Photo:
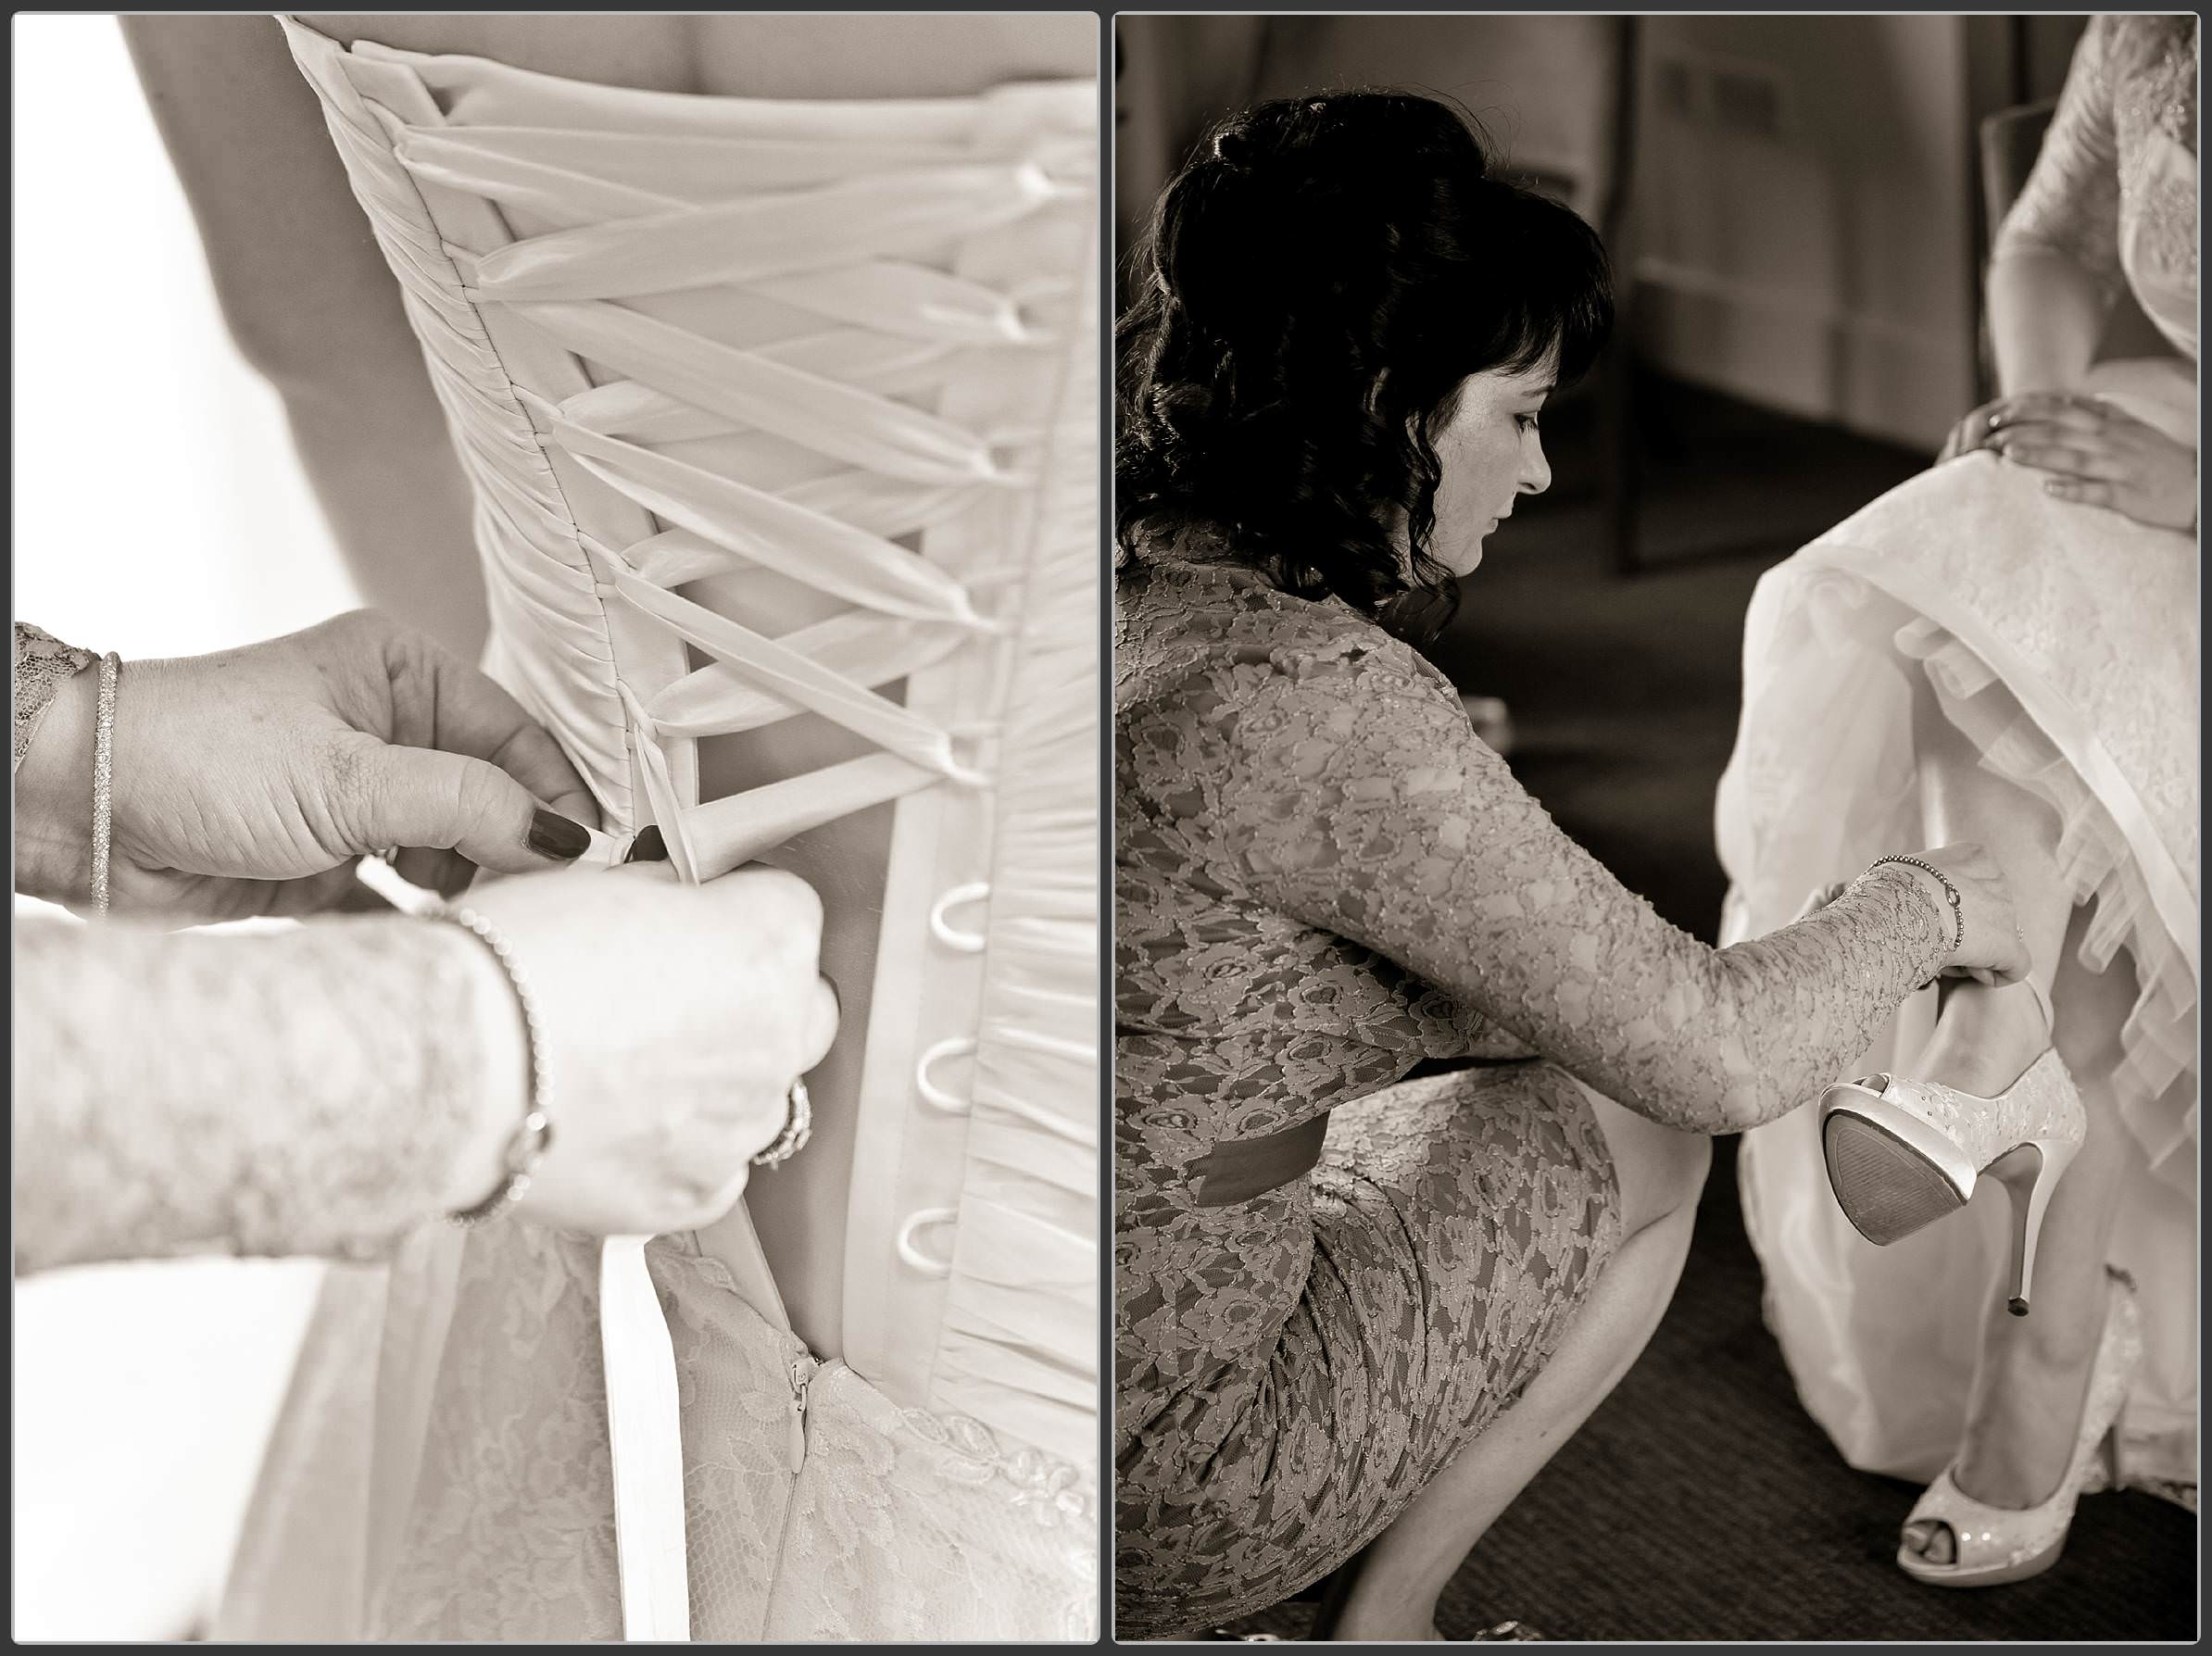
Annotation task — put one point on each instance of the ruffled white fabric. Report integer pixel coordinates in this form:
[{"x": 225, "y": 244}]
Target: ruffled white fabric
[
  {"x": 708, "y": 360},
  {"x": 2062, "y": 641}
]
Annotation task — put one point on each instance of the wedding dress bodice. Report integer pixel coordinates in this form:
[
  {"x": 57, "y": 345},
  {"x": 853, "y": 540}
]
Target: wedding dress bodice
[
  {"x": 2115, "y": 184},
  {"x": 770, "y": 405}
]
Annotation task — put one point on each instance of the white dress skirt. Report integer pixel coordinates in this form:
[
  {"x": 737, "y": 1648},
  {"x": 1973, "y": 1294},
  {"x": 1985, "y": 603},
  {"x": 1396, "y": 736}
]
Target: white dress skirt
[
  {"x": 2062, "y": 640},
  {"x": 768, "y": 406}
]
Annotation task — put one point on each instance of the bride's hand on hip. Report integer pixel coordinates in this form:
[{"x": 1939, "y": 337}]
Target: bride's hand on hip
[
  {"x": 675, "y": 1019},
  {"x": 250, "y": 782},
  {"x": 1973, "y": 432},
  {"x": 1981, "y": 425},
  {"x": 2097, "y": 454}
]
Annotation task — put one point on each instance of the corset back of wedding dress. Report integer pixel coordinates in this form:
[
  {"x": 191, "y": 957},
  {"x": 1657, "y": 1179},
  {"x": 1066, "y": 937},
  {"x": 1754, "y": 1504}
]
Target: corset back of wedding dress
[{"x": 767, "y": 405}]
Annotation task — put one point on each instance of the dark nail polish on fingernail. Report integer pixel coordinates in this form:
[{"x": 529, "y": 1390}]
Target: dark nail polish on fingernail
[
  {"x": 552, "y": 834},
  {"x": 649, "y": 846}
]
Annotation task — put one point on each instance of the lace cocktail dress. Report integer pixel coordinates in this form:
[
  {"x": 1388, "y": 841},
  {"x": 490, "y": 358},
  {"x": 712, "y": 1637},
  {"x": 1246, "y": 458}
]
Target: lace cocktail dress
[
  {"x": 775, "y": 412},
  {"x": 2061, "y": 641},
  {"x": 1328, "y": 1279}
]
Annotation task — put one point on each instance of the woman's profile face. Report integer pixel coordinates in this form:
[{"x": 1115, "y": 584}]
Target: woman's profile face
[{"x": 1492, "y": 454}]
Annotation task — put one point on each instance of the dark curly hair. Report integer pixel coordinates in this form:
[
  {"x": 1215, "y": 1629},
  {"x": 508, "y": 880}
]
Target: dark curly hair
[{"x": 1309, "y": 293}]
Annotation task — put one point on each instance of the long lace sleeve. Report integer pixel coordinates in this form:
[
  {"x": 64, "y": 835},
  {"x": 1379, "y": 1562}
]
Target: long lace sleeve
[
  {"x": 1348, "y": 791},
  {"x": 311, "y": 1092},
  {"x": 2070, "y": 205},
  {"x": 43, "y": 664}
]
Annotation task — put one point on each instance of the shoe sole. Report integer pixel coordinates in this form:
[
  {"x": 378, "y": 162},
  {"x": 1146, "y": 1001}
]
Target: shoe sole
[{"x": 1887, "y": 1188}]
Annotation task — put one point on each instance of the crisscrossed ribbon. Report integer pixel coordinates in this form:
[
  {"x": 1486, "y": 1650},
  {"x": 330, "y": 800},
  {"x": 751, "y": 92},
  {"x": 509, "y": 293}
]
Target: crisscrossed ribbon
[{"x": 854, "y": 234}]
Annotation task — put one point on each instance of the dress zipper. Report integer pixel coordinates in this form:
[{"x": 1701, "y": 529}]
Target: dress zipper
[
  {"x": 802, "y": 1376},
  {"x": 803, "y": 1365}
]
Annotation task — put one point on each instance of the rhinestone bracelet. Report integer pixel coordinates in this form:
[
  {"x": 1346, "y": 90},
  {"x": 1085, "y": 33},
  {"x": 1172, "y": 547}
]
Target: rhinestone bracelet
[
  {"x": 103, "y": 823},
  {"x": 798, "y": 1127},
  {"x": 1958, "y": 914},
  {"x": 535, "y": 1133}
]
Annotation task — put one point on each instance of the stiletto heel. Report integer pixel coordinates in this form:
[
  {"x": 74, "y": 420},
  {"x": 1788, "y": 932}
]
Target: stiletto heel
[
  {"x": 2029, "y": 1173},
  {"x": 1902, "y": 1153}
]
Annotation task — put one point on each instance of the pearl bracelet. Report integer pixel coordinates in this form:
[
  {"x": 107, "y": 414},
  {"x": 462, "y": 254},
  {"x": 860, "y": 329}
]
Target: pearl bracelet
[
  {"x": 1958, "y": 914},
  {"x": 532, "y": 1137}
]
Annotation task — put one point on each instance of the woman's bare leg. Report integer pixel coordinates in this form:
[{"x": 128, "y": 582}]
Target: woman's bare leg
[
  {"x": 1404, "y": 1571},
  {"x": 2033, "y": 1371},
  {"x": 1986, "y": 1037}
]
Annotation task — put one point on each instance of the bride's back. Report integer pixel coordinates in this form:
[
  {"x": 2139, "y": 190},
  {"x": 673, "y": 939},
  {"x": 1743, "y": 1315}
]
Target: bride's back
[
  {"x": 802, "y": 1211},
  {"x": 778, "y": 417}
]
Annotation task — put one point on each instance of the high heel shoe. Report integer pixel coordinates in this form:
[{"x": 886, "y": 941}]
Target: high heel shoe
[
  {"x": 1902, "y": 1153},
  {"x": 1994, "y": 1545}
]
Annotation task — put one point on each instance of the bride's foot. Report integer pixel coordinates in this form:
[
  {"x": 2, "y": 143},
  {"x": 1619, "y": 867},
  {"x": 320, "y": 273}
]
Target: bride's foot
[
  {"x": 2019, "y": 1439},
  {"x": 1953, "y": 1537},
  {"x": 1985, "y": 1038}
]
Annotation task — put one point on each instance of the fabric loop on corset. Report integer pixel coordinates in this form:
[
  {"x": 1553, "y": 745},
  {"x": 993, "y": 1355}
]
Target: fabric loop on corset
[
  {"x": 912, "y": 1253},
  {"x": 968, "y": 943},
  {"x": 925, "y": 1083}
]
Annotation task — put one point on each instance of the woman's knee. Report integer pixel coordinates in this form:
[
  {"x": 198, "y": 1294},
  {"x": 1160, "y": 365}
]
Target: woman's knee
[
  {"x": 1679, "y": 1175},
  {"x": 1659, "y": 1170}
]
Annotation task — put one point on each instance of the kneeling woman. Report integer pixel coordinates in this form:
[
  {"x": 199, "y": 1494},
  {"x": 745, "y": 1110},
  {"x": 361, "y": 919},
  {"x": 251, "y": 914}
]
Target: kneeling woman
[{"x": 1355, "y": 1309}]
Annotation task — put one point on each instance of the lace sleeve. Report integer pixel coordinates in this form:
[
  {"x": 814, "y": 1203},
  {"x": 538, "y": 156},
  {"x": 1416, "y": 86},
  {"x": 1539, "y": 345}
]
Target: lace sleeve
[
  {"x": 310, "y": 1092},
  {"x": 43, "y": 665},
  {"x": 1351, "y": 793},
  {"x": 2070, "y": 205}
]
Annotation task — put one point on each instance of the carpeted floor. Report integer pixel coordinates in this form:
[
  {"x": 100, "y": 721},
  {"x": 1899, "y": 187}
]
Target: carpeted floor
[{"x": 1701, "y": 1502}]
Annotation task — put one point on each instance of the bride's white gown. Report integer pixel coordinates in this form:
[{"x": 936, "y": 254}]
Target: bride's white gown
[
  {"x": 2062, "y": 641},
  {"x": 767, "y": 405}
]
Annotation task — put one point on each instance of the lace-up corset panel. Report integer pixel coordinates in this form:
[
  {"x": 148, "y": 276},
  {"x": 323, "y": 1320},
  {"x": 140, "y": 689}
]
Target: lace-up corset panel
[{"x": 782, "y": 421}]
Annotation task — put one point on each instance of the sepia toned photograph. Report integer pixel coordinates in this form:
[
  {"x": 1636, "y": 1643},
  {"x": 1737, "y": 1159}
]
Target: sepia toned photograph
[
  {"x": 557, "y": 687},
  {"x": 1656, "y": 798}
]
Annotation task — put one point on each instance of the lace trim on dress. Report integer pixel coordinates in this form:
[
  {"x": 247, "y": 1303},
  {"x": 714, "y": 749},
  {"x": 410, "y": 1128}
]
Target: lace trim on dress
[{"x": 2101, "y": 183}]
